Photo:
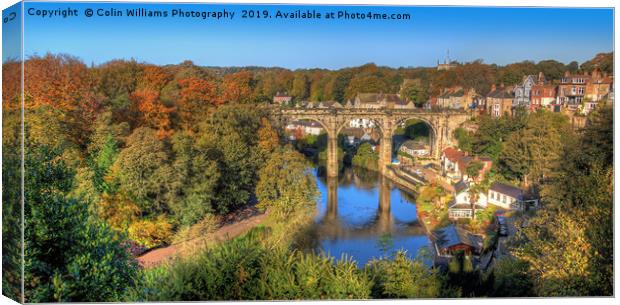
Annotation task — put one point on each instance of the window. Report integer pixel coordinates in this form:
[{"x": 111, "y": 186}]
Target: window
[{"x": 580, "y": 90}]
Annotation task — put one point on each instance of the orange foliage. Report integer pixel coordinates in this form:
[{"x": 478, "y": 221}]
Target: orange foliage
[
  {"x": 236, "y": 87},
  {"x": 154, "y": 113},
  {"x": 60, "y": 81},
  {"x": 11, "y": 84},
  {"x": 64, "y": 83},
  {"x": 267, "y": 137},
  {"x": 154, "y": 77},
  {"x": 196, "y": 96}
]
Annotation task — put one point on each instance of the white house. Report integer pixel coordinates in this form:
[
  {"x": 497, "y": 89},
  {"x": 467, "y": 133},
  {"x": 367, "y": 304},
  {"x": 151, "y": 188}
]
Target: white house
[
  {"x": 414, "y": 149},
  {"x": 505, "y": 196},
  {"x": 361, "y": 123},
  {"x": 306, "y": 127},
  {"x": 502, "y": 195},
  {"x": 523, "y": 91},
  {"x": 461, "y": 207}
]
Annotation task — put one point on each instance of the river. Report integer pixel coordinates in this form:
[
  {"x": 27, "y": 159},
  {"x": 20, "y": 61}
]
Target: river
[{"x": 364, "y": 216}]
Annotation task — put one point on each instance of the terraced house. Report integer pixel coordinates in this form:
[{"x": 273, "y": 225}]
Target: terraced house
[
  {"x": 380, "y": 100},
  {"x": 457, "y": 98},
  {"x": 543, "y": 94},
  {"x": 572, "y": 90},
  {"x": 523, "y": 91},
  {"x": 598, "y": 89},
  {"x": 499, "y": 101}
]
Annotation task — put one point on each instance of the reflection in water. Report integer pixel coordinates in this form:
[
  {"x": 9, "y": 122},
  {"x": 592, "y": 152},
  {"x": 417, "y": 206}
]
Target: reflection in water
[{"x": 361, "y": 214}]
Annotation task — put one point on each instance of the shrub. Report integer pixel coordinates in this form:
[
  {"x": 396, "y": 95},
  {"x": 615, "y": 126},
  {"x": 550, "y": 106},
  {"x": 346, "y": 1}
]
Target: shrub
[
  {"x": 245, "y": 269},
  {"x": 151, "y": 233},
  {"x": 403, "y": 278}
]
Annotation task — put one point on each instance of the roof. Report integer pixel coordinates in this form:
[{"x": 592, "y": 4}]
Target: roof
[
  {"x": 378, "y": 97},
  {"x": 307, "y": 123},
  {"x": 502, "y": 93},
  {"x": 356, "y": 132},
  {"x": 451, "y": 235},
  {"x": 506, "y": 189},
  {"x": 413, "y": 145},
  {"x": 460, "y": 186},
  {"x": 329, "y": 104},
  {"x": 463, "y": 162},
  {"x": 453, "y": 154}
]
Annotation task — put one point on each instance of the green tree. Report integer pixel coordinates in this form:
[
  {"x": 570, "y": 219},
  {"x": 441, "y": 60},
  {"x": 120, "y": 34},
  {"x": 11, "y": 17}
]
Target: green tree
[
  {"x": 532, "y": 153},
  {"x": 143, "y": 171},
  {"x": 230, "y": 138},
  {"x": 194, "y": 182},
  {"x": 285, "y": 182},
  {"x": 69, "y": 255},
  {"x": 568, "y": 244},
  {"x": 510, "y": 278},
  {"x": 366, "y": 157},
  {"x": 464, "y": 138},
  {"x": 414, "y": 92},
  {"x": 473, "y": 169}
]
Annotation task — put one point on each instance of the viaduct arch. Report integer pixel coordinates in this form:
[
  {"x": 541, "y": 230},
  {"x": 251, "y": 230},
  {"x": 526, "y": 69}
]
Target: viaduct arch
[{"x": 442, "y": 124}]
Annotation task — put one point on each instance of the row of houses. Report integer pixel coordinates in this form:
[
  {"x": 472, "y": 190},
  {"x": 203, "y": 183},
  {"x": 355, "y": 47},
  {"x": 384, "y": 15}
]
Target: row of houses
[
  {"x": 361, "y": 100},
  {"x": 574, "y": 92},
  {"x": 580, "y": 93}
]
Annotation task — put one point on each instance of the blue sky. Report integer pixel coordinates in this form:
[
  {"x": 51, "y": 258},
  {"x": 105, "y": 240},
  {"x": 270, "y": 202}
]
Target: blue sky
[{"x": 496, "y": 35}]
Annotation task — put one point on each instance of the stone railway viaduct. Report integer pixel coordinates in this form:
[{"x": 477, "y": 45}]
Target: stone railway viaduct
[{"x": 442, "y": 124}]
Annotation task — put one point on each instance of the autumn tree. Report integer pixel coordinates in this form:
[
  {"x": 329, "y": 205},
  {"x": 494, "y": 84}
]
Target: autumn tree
[
  {"x": 568, "y": 244},
  {"x": 154, "y": 113},
  {"x": 237, "y": 87},
  {"x": 300, "y": 86},
  {"x": 63, "y": 83},
  {"x": 267, "y": 139},
  {"x": 195, "y": 97}
]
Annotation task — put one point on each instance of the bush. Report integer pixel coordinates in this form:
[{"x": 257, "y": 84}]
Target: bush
[
  {"x": 151, "y": 233},
  {"x": 403, "y": 278},
  {"x": 365, "y": 157},
  {"x": 245, "y": 269}
]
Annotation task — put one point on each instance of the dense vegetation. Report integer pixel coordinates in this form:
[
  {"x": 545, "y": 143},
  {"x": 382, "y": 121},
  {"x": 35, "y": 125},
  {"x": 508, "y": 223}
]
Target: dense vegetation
[
  {"x": 566, "y": 247},
  {"x": 127, "y": 156}
]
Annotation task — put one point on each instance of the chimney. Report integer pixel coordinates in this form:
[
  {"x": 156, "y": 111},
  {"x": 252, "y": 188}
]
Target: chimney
[
  {"x": 493, "y": 88},
  {"x": 541, "y": 78},
  {"x": 567, "y": 73}
]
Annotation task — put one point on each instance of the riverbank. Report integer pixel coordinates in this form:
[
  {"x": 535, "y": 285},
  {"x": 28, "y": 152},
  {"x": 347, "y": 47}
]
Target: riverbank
[{"x": 231, "y": 226}]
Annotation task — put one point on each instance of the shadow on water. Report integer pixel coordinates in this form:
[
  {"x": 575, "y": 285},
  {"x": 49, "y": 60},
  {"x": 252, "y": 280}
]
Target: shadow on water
[{"x": 362, "y": 215}]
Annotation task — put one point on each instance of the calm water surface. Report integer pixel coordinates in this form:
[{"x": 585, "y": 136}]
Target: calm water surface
[{"x": 363, "y": 215}]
